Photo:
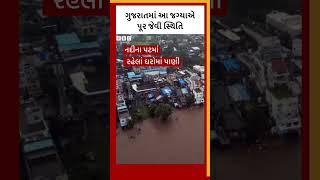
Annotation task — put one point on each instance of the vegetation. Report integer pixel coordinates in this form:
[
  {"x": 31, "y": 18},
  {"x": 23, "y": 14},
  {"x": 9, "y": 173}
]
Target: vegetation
[{"x": 163, "y": 111}]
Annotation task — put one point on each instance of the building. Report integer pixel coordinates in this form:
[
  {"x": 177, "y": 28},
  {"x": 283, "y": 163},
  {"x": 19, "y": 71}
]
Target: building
[
  {"x": 42, "y": 160},
  {"x": 166, "y": 91},
  {"x": 92, "y": 90},
  {"x": 194, "y": 82},
  {"x": 278, "y": 73},
  {"x": 88, "y": 26},
  {"x": 32, "y": 122},
  {"x": 39, "y": 152},
  {"x": 122, "y": 111},
  {"x": 284, "y": 109},
  {"x": 238, "y": 93},
  {"x": 142, "y": 89},
  {"x": 70, "y": 48},
  {"x": 291, "y": 24},
  {"x": 256, "y": 69},
  {"x": 230, "y": 35},
  {"x": 154, "y": 71},
  {"x": 199, "y": 70},
  {"x": 198, "y": 95},
  {"x": 261, "y": 37},
  {"x": 134, "y": 76},
  {"x": 29, "y": 82}
]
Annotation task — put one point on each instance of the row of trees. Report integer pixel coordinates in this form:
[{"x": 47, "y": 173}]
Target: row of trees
[{"x": 161, "y": 111}]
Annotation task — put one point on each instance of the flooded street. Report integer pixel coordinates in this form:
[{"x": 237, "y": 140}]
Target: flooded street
[{"x": 180, "y": 140}]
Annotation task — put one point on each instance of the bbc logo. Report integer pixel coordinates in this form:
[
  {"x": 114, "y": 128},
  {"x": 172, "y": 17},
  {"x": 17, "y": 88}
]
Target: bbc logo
[
  {"x": 218, "y": 7},
  {"x": 124, "y": 38}
]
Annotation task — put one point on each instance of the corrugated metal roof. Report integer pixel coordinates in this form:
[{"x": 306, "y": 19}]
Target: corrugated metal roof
[
  {"x": 38, "y": 145},
  {"x": 77, "y": 46},
  {"x": 66, "y": 39}
]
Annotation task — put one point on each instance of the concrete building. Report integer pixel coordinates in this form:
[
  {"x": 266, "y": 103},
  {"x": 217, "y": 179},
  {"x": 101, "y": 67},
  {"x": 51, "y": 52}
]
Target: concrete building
[
  {"x": 42, "y": 160},
  {"x": 257, "y": 70},
  {"x": 262, "y": 38},
  {"x": 154, "y": 71},
  {"x": 32, "y": 122},
  {"x": 278, "y": 73},
  {"x": 230, "y": 35},
  {"x": 92, "y": 90},
  {"x": 193, "y": 82},
  {"x": 39, "y": 152},
  {"x": 200, "y": 70},
  {"x": 70, "y": 47},
  {"x": 284, "y": 109},
  {"x": 87, "y": 26},
  {"x": 28, "y": 77},
  {"x": 198, "y": 95},
  {"x": 238, "y": 93},
  {"x": 291, "y": 24},
  {"x": 122, "y": 111}
]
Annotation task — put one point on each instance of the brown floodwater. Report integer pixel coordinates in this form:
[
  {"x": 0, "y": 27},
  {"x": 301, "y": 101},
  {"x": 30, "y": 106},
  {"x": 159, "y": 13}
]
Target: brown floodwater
[
  {"x": 180, "y": 140},
  {"x": 280, "y": 161}
]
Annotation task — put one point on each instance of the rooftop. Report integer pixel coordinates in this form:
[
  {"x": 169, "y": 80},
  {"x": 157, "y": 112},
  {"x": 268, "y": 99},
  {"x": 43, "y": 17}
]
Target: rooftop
[
  {"x": 231, "y": 64},
  {"x": 133, "y": 75},
  {"x": 238, "y": 92},
  {"x": 166, "y": 91},
  {"x": 67, "y": 39},
  {"x": 38, "y": 145},
  {"x": 143, "y": 87},
  {"x": 77, "y": 46}
]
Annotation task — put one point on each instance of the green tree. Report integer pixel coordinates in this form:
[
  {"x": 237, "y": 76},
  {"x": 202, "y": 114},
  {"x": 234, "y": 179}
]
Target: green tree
[{"x": 163, "y": 111}]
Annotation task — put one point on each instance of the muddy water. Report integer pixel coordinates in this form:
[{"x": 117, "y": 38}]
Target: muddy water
[
  {"x": 280, "y": 161},
  {"x": 180, "y": 140}
]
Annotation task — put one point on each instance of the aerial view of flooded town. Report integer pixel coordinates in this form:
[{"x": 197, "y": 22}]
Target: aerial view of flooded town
[
  {"x": 256, "y": 64},
  {"x": 256, "y": 99},
  {"x": 161, "y": 108}
]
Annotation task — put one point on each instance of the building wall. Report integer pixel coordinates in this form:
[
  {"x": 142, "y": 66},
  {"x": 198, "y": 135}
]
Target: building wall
[{"x": 284, "y": 111}]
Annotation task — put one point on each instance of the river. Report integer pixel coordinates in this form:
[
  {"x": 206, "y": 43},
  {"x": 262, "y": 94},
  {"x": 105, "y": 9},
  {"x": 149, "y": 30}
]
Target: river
[{"x": 180, "y": 140}]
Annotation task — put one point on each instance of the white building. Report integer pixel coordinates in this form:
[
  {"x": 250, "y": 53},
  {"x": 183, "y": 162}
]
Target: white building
[
  {"x": 229, "y": 35},
  {"x": 123, "y": 112},
  {"x": 198, "y": 96},
  {"x": 284, "y": 109},
  {"x": 257, "y": 70},
  {"x": 200, "y": 70},
  {"x": 261, "y": 39},
  {"x": 291, "y": 24},
  {"x": 194, "y": 82}
]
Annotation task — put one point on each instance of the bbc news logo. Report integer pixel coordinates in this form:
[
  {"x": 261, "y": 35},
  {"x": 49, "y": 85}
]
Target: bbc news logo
[
  {"x": 75, "y": 7},
  {"x": 218, "y": 7},
  {"x": 123, "y": 38}
]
